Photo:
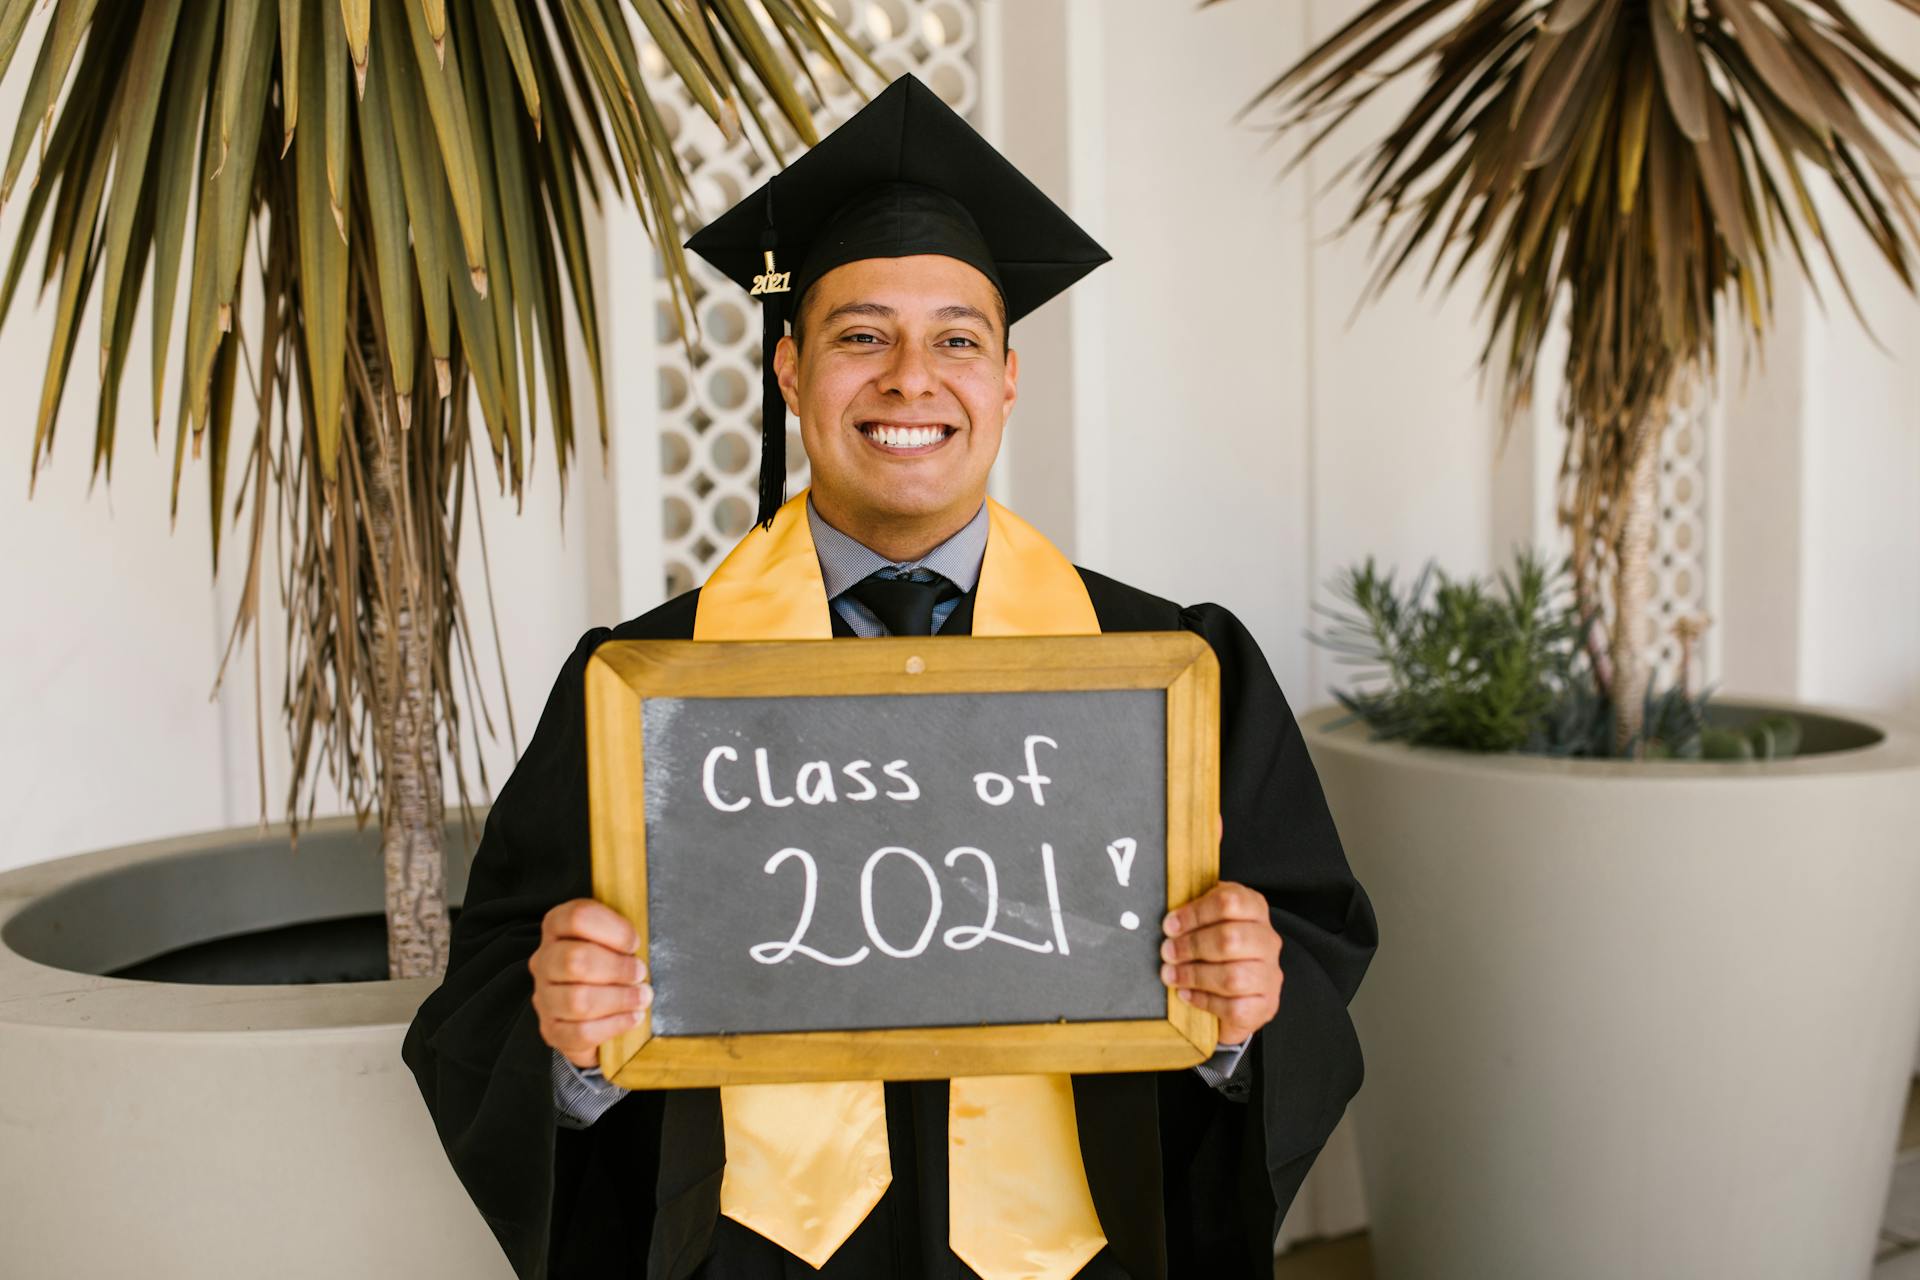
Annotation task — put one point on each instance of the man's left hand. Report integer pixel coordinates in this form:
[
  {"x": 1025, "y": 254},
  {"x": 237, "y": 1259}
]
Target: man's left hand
[{"x": 1222, "y": 955}]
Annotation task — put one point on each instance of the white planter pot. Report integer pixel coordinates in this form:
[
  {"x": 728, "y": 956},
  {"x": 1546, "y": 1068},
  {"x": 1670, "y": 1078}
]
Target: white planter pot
[
  {"x": 1632, "y": 1020},
  {"x": 169, "y": 1130}
]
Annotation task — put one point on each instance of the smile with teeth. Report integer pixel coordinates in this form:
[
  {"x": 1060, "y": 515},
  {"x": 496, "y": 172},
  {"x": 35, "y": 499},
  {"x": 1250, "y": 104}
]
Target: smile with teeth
[{"x": 905, "y": 435}]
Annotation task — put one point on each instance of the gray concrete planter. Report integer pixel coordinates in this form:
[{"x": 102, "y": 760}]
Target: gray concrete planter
[
  {"x": 169, "y": 1130},
  {"x": 1633, "y": 1020}
]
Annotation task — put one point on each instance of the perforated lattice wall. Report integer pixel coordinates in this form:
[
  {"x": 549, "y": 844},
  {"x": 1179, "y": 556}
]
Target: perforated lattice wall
[
  {"x": 1679, "y": 562},
  {"x": 1678, "y": 598},
  {"x": 710, "y": 403}
]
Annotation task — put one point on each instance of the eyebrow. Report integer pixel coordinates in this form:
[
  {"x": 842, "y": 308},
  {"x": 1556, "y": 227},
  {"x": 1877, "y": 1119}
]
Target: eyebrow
[{"x": 957, "y": 311}]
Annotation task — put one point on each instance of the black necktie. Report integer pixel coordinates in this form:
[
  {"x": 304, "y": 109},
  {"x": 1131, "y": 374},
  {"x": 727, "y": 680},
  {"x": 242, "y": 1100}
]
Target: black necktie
[{"x": 904, "y": 607}]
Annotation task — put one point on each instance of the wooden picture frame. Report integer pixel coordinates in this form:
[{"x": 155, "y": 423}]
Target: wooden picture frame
[{"x": 621, "y": 674}]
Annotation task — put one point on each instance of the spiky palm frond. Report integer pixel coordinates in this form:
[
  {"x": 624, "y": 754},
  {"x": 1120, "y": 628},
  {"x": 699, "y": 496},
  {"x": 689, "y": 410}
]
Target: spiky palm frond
[
  {"x": 1635, "y": 160},
  {"x": 371, "y": 208},
  {"x": 444, "y": 120}
]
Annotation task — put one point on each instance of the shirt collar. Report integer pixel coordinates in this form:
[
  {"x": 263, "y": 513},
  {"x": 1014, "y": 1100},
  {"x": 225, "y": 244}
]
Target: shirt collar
[{"x": 844, "y": 561}]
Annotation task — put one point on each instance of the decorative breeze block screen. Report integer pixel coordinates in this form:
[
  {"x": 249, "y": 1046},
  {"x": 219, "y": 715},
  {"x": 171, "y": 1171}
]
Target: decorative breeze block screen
[{"x": 1679, "y": 560}]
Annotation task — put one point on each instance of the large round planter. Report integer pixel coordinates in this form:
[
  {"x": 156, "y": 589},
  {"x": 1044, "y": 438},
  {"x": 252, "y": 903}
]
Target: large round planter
[
  {"x": 1633, "y": 1020},
  {"x": 167, "y": 1130}
]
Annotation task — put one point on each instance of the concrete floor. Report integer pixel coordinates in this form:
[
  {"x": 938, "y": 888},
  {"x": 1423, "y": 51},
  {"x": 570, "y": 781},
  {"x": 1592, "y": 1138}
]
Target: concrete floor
[{"x": 1349, "y": 1258}]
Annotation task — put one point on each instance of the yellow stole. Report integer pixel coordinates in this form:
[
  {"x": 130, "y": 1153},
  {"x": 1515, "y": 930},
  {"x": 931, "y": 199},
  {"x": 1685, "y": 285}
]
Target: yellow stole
[{"x": 806, "y": 1163}]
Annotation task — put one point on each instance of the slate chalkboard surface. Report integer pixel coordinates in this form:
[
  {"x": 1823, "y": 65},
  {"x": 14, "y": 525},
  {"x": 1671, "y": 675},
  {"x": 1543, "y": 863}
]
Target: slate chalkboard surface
[
  {"x": 903, "y": 858},
  {"x": 850, "y": 863}
]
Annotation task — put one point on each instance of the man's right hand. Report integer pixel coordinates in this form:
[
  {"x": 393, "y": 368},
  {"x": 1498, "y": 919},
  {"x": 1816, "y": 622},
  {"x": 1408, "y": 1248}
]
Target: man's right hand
[{"x": 588, "y": 985}]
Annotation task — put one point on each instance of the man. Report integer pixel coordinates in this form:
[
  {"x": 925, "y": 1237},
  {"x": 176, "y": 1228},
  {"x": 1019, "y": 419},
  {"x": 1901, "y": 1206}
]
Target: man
[{"x": 910, "y": 246}]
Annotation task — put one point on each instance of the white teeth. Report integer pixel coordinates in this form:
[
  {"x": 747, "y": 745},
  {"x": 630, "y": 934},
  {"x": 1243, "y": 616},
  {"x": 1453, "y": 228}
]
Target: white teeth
[{"x": 906, "y": 437}]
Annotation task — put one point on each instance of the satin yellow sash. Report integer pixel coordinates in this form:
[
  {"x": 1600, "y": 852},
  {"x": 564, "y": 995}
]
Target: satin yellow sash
[{"x": 806, "y": 1163}]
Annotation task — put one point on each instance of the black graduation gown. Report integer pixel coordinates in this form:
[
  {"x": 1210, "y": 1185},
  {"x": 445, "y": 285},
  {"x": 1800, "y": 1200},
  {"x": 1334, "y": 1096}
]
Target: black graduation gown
[{"x": 1186, "y": 1180}]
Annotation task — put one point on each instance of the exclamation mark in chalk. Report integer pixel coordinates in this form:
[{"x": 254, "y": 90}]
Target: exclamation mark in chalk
[{"x": 1120, "y": 853}]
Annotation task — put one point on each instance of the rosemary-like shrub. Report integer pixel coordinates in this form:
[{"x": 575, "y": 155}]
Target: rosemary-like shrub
[{"x": 1502, "y": 666}]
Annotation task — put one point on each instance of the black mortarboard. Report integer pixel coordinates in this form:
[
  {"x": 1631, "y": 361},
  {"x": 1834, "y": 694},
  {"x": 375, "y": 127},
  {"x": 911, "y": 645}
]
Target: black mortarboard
[{"x": 905, "y": 175}]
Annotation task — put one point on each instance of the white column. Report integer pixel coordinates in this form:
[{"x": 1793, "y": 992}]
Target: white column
[
  {"x": 1822, "y": 537},
  {"x": 1044, "y": 111},
  {"x": 624, "y": 496}
]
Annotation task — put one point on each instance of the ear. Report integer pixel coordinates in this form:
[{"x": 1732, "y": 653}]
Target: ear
[
  {"x": 786, "y": 368},
  {"x": 1012, "y": 380}
]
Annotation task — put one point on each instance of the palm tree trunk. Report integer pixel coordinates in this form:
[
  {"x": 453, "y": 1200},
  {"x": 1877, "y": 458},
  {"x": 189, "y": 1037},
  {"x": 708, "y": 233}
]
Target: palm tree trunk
[
  {"x": 402, "y": 705},
  {"x": 1632, "y": 596}
]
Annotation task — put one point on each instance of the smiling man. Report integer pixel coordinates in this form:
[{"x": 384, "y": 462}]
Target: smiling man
[
  {"x": 900, "y": 250},
  {"x": 902, "y": 380}
]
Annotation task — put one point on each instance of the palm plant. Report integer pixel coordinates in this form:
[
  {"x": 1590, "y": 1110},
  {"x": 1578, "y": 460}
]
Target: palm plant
[
  {"x": 1636, "y": 161},
  {"x": 413, "y": 178}
]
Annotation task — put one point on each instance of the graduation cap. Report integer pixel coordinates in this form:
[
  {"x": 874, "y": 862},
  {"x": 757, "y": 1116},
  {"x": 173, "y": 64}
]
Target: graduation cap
[{"x": 905, "y": 175}]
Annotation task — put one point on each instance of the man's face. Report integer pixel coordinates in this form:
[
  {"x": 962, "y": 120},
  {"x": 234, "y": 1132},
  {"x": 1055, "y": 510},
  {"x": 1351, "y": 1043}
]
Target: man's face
[{"x": 902, "y": 386}]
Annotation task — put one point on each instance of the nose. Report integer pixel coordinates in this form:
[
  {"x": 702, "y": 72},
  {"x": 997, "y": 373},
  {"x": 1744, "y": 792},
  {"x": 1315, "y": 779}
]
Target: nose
[{"x": 910, "y": 373}]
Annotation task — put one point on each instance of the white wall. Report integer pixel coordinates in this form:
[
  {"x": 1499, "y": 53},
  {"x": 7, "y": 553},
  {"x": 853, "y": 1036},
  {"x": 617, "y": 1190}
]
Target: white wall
[
  {"x": 116, "y": 630},
  {"x": 1233, "y": 438},
  {"x": 1822, "y": 546},
  {"x": 108, "y": 619},
  {"x": 1860, "y": 609},
  {"x": 107, "y": 627}
]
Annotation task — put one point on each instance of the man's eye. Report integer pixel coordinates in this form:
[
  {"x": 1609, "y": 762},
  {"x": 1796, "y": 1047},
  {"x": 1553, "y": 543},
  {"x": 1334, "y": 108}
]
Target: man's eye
[
  {"x": 866, "y": 338},
  {"x": 965, "y": 341}
]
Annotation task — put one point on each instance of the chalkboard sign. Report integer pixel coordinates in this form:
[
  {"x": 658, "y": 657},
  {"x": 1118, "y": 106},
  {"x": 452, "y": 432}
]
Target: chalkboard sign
[{"x": 903, "y": 858}]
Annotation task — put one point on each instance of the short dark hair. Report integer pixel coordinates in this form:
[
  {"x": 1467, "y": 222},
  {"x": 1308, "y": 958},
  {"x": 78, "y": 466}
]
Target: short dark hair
[{"x": 999, "y": 306}]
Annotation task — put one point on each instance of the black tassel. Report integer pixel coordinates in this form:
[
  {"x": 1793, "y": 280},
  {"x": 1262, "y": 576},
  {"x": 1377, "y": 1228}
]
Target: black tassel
[
  {"x": 773, "y": 406},
  {"x": 773, "y": 416}
]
